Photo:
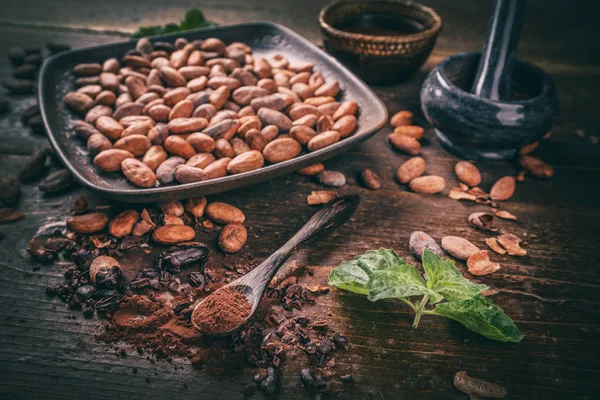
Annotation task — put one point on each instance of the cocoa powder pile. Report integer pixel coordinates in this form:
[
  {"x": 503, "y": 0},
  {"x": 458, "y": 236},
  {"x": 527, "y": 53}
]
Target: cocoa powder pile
[{"x": 221, "y": 312}]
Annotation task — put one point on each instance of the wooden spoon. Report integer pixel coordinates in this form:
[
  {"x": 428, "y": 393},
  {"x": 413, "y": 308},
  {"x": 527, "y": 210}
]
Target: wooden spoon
[{"x": 253, "y": 284}]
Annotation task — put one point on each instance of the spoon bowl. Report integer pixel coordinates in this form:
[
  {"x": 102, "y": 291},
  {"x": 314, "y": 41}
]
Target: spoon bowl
[{"x": 254, "y": 283}]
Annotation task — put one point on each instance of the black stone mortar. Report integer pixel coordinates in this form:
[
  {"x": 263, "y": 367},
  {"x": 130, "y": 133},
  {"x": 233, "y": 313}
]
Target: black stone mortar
[{"x": 487, "y": 107}]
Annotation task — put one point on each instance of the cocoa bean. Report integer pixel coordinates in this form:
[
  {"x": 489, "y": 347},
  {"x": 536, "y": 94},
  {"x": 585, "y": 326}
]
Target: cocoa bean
[
  {"x": 309, "y": 120},
  {"x": 223, "y": 148},
  {"x": 275, "y": 101},
  {"x": 219, "y": 97},
  {"x": 370, "y": 180},
  {"x": 174, "y": 96},
  {"x": 136, "y": 61},
  {"x": 158, "y": 133},
  {"x": 188, "y": 174},
  {"x": 323, "y": 140},
  {"x": 467, "y": 173},
  {"x": 232, "y": 238},
  {"x": 429, "y": 184},
  {"x": 331, "y": 178},
  {"x": 401, "y": 118},
  {"x": 536, "y": 167},
  {"x": 110, "y": 160},
  {"x": 272, "y": 117},
  {"x": 106, "y": 97},
  {"x": 57, "y": 182},
  {"x": 200, "y": 160},
  {"x": 324, "y": 123},
  {"x": 320, "y": 197},
  {"x": 269, "y": 132},
  {"x": 201, "y": 142},
  {"x": 280, "y": 150},
  {"x": 135, "y": 144},
  {"x": 458, "y": 247},
  {"x": 331, "y": 88},
  {"x": 111, "y": 65},
  {"x": 19, "y": 86},
  {"x": 206, "y": 111},
  {"x": 186, "y": 125},
  {"x": 346, "y": 108},
  {"x": 223, "y": 213},
  {"x": 138, "y": 173},
  {"x": 122, "y": 224},
  {"x": 10, "y": 215},
  {"x": 239, "y": 146},
  {"x": 345, "y": 125},
  {"x": 311, "y": 170},
  {"x": 183, "y": 109},
  {"x": 88, "y": 69},
  {"x": 225, "y": 129},
  {"x": 419, "y": 241},
  {"x": 319, "y": 101},
  {"x": 160, "y": 112},
  {"x": 83, "y": 129},
  {"x": 10, "y": 190},
  {"x": 302, "y": 134},
  {"x": 97, "y": 143},
  {"x": 165, "y": 173},
  {"x": 173, "y": 234},
  {"x": 171, "y": 76},
  {"x": 218, "y": 81},
  {"x": 35, "y": 165},
  {"x": 415, "y": 132},
  {"x": 503, "y": 189},
  {"x": 196, "y": 206},
  {"x": 127, "y": 110},
  {"x": 177, "y": 146},
  {"x": 154, "y": 157},
  {"x": 245, "y": 162},
  {"x": 87, "y": 223},
  {"x": 79, "y": 102},
  {"x": 411, "y": 169},
  {"x": 405, "y": 144},
  {"x": 109, "y": 127},
  {"x": 136, "y": 87},
  {"x": 217, "y": 169},
  {"x": 90, "y": 90}
]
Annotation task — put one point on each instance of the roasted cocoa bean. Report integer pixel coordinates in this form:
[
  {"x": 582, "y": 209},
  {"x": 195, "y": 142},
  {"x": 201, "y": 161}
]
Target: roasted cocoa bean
[
  {"x": 87, "y": 223},
  {"x": 232, "y": 238},
  {"x": 224, "y": 214}
]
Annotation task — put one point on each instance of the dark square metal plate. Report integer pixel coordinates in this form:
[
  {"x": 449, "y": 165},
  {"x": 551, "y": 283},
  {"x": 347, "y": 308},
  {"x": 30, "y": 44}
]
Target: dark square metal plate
[{"x": 266, "y": 40}]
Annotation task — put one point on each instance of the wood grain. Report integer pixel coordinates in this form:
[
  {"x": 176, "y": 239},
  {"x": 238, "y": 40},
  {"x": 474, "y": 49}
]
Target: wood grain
[{"x": 47, "y": 351}]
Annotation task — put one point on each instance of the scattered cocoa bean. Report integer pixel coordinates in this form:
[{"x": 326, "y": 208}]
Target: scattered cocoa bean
[
  {"x": 429, "y": 184},
  {"x": 173, "y": 234},
  {"x": 503, "y": 189},
  {"x": 232, "y": 238},
  {"x": 458, "y": 247},
  {"x": 224, "y": 214},
  {"x": 34, "y": 166},
  {"x": 331, "y": 178},
  {"x": 536, "y": 167},
  {"x": 410, "y": 170},
  {"x": 311, "y": 170},
  {"x": 320, "y": 197},
  {"x": 370, "y": 180},
  {"x": 419, "y": 241},
  {"x": 122, "y": 225},
  {"x": 87, "y": 223},
  {"x": 401, "y": 118},
  {"x": 467, "y": 173},
  {"x": 405, "y": 144},
  {"x": 57, "y": 182}
]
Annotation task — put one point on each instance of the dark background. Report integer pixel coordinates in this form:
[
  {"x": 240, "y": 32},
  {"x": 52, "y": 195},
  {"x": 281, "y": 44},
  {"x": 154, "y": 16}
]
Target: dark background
[{"x": 47, "y": 351}]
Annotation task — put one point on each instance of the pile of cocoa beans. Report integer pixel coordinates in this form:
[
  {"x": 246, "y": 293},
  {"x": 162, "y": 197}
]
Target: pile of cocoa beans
[{"x": 189, "y": 112}]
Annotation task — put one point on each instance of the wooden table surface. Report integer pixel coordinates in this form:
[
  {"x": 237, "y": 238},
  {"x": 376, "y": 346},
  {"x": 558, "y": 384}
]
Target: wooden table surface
[{"x": 48, "y": 351}]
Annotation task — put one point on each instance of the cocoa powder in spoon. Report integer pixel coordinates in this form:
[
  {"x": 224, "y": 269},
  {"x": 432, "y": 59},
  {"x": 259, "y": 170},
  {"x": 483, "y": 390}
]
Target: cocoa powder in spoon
[{"x": 221, "y": 312}]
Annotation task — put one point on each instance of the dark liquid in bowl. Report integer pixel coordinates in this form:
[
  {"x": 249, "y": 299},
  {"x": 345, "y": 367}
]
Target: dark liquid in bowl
[{"x": 380, "y": 25}]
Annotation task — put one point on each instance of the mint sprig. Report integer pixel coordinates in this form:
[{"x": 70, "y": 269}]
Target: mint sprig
[
  {"x": 194, "y": 19},
  {"x": 382, "y": 274}
]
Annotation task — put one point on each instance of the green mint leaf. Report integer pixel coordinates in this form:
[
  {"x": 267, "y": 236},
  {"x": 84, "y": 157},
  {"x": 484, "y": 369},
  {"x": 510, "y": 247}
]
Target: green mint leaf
[
  {"x": 354, "y": 275},
  {"x": 444, "y": 278},
  {"x": 481, "y": 315},
  {"x": 194, "y": 19},
  {"x": 398, "y": 281}
]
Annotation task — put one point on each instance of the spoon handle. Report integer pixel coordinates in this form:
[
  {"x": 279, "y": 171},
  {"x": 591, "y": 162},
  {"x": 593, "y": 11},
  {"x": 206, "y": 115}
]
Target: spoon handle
[{"x": 332, "y": 215}]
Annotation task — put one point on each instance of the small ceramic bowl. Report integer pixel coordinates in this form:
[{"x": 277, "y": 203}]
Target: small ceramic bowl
[{"x": 382, "y": 40}]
